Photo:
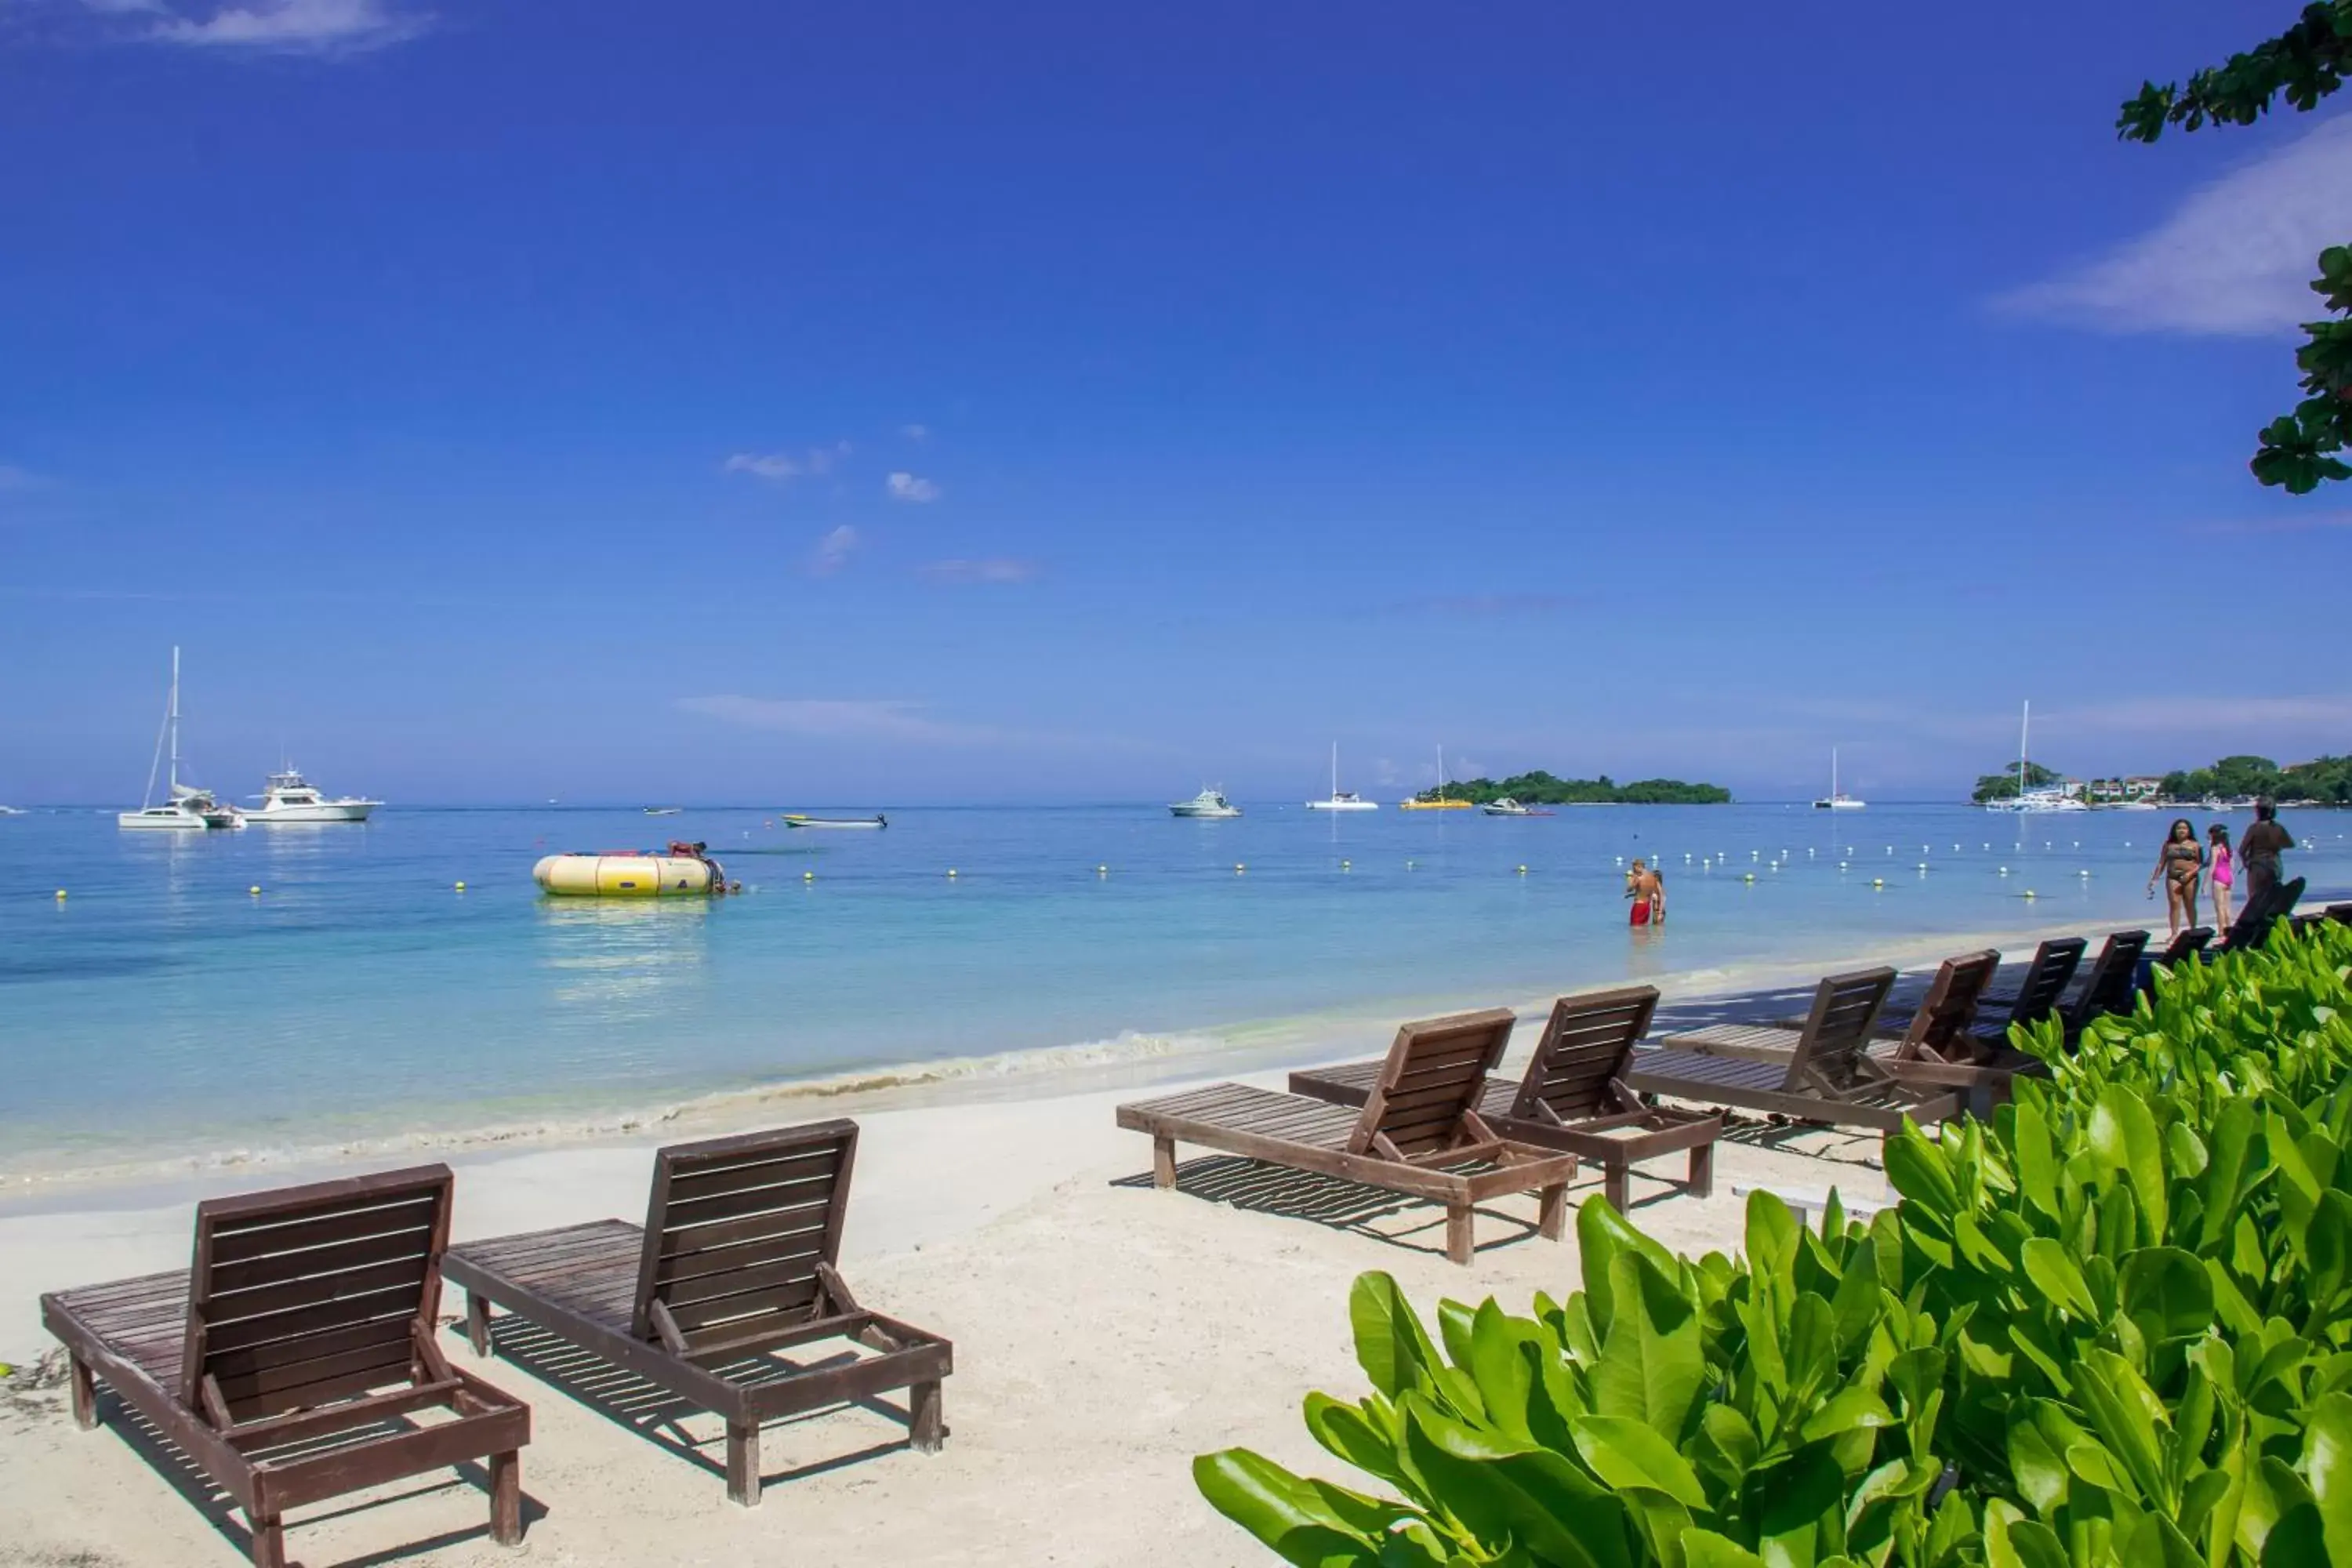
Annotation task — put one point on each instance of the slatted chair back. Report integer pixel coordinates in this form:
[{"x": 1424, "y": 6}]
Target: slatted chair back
[
  {"x": 2341, "y": 913},
  {"x": 1584, "y": 1045},
  {"x": 2184, "y": 944},
  {"x": 2253, "y": 926},
  {"x": 2046, "y": 979},
  {"x": 1940, "y": 1029},
  {"x": 1433, "y": 1078},
  {"x": 2113, "y": 985},
  {"x": 736, "y": 1227},
  {"x": 305, "y": 1296},
  {"x": 1837, "y": 1031}
]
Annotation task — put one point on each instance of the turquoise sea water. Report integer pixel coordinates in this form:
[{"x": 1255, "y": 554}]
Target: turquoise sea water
[{"x": 161, "y": 1011}]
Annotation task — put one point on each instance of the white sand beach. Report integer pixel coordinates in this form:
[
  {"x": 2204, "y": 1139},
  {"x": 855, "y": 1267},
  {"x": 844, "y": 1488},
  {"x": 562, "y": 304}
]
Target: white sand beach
[{"x": 1105, "y": 1332}]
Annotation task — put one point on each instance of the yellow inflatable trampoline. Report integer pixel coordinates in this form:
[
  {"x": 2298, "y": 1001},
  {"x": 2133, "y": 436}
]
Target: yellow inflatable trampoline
[{"x": 684, "y": 873}]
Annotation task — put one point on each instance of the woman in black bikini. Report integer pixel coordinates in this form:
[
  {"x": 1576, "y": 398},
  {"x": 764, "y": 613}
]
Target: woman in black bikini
[{"x": 2180, "y": 863}]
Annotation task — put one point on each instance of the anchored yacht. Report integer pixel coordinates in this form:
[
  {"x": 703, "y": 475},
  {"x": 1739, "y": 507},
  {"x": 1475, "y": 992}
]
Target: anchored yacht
[
  {"x": 1210, "y": 801},
  {"x": 290, "y": 797},
  {"x": 186, "y": 808}
]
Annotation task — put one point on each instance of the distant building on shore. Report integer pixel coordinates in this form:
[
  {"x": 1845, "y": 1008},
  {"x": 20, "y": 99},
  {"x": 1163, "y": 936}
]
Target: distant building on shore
[{"x": 2117, "y": 791}]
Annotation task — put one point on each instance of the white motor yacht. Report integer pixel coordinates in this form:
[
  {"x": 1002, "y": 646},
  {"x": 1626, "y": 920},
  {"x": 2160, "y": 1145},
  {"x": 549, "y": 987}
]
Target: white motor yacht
[
  {"x": 1505, "y": 806},
  {"x": 1341, "y": 799},
  {"x": 290, "y": 797},
  {"x": 185, "y": 809},
  {"x": 1210, "y": 801}
]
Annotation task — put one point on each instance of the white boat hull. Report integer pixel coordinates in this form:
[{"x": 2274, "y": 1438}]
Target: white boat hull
[
  {"x": 324, "y": 811},
  {"x": 162, "y": 821},
  {"x": 1205, "y": 811},
  {"x": 1343, "y": 805}
]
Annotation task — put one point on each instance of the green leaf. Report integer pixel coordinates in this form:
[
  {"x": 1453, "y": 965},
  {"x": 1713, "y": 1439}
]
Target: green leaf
[
  {"x": 1502, "y": 1492},
  {"x": 2158, "y": 1544},
  {"x": 2037, "y": 1169},
  {"x": 1349, "y": 1434},
  {"x": 1626, "y": 1454},
  {"x": 2054, "y": 1272},
  {"x": 1848, "y": 1410},
  {"x": 1920, "y": 1172},
  {"x": 2123, "y": 1137},
  {"x": 1292, "y": 1517},
  {"x": 2127, "y": 1415},
  {"x": 1803, "y": 1498},
  {"x": 1705, "y": 1549},
  {"x": 2327, "y": 1461},
  {"x": 2013, "y": 1541},
  {"x": 2166, "y": 1291},
  {"x": 1390, "y": 1345},
  {"x": 1652, "y": 1365}
]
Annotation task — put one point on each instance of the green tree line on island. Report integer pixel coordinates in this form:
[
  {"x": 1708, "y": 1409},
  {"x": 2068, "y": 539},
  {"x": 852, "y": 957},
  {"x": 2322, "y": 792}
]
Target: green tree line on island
[
  {"x": 2325, "y": 779},
  {"x": 1540, "y": 788}
]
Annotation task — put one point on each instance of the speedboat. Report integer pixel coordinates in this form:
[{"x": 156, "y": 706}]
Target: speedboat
[
  {"x": 292, "y": 798},
  {"x": 1505, "y": 806},
  {"x": 797, "y": 819},
  {"x": 1341, "y": 799},
  {"x": 1210, "y": 801},
  {"x": 186, "y": 808},
  {"x": 12, "y": 811}
]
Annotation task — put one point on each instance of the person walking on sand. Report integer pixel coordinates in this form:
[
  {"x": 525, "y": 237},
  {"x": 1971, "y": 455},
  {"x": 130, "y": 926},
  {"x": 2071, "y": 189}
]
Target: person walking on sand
[
  {"x": 1648, "y": 891},
  {"x": 2222, "y": 872},
  {"x": 2258, "y": 851},
  {"x": 2179, "y": 863}
]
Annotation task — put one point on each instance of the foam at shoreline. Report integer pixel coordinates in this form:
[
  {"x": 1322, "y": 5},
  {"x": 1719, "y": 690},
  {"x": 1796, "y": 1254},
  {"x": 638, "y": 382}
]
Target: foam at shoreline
[{"x": 1129, "y": 1058}]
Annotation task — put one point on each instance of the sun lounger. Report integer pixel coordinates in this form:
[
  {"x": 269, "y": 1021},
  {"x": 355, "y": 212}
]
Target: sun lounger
[
  {"x": 1825, "y": 1075},
  {"x": 735, "y": 1262},
  {"x": 1573, "y": 1096},
  {"x": 1419, "y": 1126},
  {"x": 2039, "y": 995},
  {"x": 2186, "y": 943},
  {"x": 286, "y": 1362},
  {"x": 2253, "y": 926},
  {"x": 2112, "y": 985},
  {"x": 2341, "y": 913},
  {"x": 1938, "y": 1050}
]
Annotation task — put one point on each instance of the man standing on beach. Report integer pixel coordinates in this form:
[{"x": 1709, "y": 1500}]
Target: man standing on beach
[
  {"x": 2257, "y": 852},
  {"x": 1648, "y": 891}
]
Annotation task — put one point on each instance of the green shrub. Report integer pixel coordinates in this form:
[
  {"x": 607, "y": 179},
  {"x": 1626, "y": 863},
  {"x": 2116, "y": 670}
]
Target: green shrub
[{"x": 2113, "y": 1326}]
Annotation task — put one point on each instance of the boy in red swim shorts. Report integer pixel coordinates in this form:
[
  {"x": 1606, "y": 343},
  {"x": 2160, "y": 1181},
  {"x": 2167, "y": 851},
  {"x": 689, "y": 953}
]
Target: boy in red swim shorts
[{"x": 1648, "y": 891}]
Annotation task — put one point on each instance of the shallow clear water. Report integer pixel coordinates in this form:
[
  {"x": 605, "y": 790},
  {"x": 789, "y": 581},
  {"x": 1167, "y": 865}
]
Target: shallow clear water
[{"x": 161, "y": 1009}]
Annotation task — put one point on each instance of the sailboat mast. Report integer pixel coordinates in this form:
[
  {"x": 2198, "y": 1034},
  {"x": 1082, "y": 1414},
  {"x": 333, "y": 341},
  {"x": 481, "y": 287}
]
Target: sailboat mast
[
  {"x": 171, "y": 720},
  {"x": 2025, "y": 728},
  {"x": 1335, "y": 770},
  {"x": 1833, "y": 789}
]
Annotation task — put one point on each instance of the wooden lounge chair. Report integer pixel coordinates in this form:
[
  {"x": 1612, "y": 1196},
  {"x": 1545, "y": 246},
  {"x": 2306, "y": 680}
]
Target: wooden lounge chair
[
  {"x": 2039, "y": 995},
  {"x": 282, "y": 1362},
  {"x": 2112, "y": 985},
  {"x": 2253, "y": 926},
  {"x": 1573, "y": 1095},
  {"x": 2341, "y": 913},
  {"x": 735, "y": 1262},
  {"x": 1826, "y": 1075},
  {"x": 2186, "y": 943},
  {"x": 1938, "y": 1050},
  {"x": 1419, "y": 1125}
]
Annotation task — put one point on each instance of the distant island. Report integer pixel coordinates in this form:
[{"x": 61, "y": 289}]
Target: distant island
[{"x": 1540, "y": 788}]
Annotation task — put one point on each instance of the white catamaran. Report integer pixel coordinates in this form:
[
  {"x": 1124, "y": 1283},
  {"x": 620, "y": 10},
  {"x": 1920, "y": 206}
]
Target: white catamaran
[
  {"x": 1837, "y": 799},
  {"x": 1341, "y": 799},
  {"x": 2048, "y": 797},
  {"x": 185, "y": 809}
]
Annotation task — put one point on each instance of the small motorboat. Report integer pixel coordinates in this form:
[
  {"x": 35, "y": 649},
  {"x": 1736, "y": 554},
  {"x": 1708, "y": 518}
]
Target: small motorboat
[
  {"x": 683, "y": 870},
  {"x": 1210, "y": 801},
  {"x": 795, "y": 819},
  {"x": 663, "y": 810},
  {"x": 1505, "y": 806}
]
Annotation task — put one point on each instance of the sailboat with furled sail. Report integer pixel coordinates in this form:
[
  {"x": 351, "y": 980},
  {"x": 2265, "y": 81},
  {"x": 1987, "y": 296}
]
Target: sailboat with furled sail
[
  {"x": 1441, "y": 800},
  {"x": 1341, "y": 799},
  {"x": 185, "y": 809}
]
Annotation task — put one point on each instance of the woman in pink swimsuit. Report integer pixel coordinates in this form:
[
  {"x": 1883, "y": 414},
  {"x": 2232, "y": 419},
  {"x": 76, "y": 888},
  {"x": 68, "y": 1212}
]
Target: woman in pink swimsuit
[{"x": 2220, "y": 873}]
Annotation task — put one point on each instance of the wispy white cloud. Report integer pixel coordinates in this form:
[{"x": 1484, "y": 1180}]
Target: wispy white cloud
[
  {"x": 779, "y": 467},
  {"x": 278, "y": 27},
  {"x": 833, "y": 552},
  {"x": 904, "y": 486},
  {"x": 2236, "y": 258},
  {"x": 915, "y": 431},
  {"x": 993, "y": 569},
  {"x": 832, "y": 718}
]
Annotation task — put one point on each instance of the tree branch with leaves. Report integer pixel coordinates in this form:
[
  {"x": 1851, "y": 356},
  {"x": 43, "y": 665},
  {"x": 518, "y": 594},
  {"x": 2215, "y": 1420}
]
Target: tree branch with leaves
[{"x": 2305, "y": 64}]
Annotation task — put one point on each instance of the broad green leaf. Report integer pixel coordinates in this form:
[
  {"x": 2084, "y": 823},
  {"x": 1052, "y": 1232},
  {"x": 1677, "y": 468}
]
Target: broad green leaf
[
  {"x": 2040, "y": 1470},
  {"x": 1920, "y": 1172},
  {"x": 2054, "y": 1273},
  {"x": 1390, "y": 1345},
  {"x": 1601, "y": 1233},
  {"x": 1850, "y": 1409},
  {"x": 1705, "y": 1549},
  {"x": 1627, "y": 1454},
  {"x": 1504, "y": 1492},
  {"x": 2166, "y": 1291},
  {"x": 1289, "y": 1515},
  {"x": 2327, "y": 1462},
  {"x": 1802, "y": 1496},
  {"x": 1652, "y": 1364},
  {"x": 2127, "y": 1415},
  {"x": 1352, "y": 1435},
  {"x": 2157, "y": 1542},
  {"x": 2037, "y": 1170}
]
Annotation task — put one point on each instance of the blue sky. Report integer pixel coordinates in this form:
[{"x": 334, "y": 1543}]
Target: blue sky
[{"x": 1063, "y": 402}]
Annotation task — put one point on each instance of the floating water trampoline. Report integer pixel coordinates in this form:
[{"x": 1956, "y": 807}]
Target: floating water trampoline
[{"x": 683, "y": 871}]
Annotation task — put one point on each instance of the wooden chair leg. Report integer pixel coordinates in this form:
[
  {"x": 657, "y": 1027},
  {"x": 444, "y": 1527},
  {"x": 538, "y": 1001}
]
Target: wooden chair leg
[
  {"x": 1551, "y": 1213},
  {"x": 925, "y": 1426},
  {"x": 1163, "y": 1161},
  {"x": 1459, "y": 1237},
  {"x": 743, "y": 1462},
  {"x": 85, "y": 1392},
  {"x": 1702, "y": 1171},
  {"x": 269, "y": 1541},
  {"x": 478, "y": 1323},
  {"x": 1619, "y": 1180},
  {"x": 506, "y": 1498}
]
